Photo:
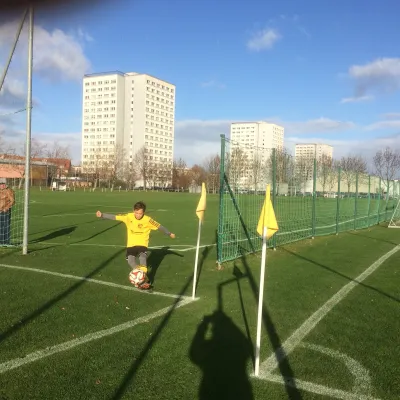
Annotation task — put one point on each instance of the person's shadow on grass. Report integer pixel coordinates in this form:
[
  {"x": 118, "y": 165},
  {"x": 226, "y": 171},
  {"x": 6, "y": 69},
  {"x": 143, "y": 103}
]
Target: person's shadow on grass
[
  {"x": 222, "y": 355},
  {"x": 55, "y": 234},
  {"x": 155, "y": 259}
]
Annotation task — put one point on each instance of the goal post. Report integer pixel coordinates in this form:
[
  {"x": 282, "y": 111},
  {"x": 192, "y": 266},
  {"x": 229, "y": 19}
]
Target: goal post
[
  {"x": 14, "y": 218},
  {"x": 395, "y": 219}
]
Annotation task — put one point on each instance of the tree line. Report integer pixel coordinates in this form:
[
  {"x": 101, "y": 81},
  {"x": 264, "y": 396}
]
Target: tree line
[{"x": 244, "y": 169}]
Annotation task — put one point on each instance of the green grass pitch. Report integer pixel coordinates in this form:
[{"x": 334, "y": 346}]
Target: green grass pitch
[{"x": 72, "y": 327}]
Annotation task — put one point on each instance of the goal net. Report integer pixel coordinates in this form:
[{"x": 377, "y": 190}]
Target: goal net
[{"x": 13, "y": 114}]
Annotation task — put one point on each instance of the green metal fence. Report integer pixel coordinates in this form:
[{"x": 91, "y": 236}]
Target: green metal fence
[{"x": 311, "y": 197}]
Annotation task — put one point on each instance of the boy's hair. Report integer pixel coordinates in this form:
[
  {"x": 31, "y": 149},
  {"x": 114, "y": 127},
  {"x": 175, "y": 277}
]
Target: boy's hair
[{"x": 140, "y": 206}]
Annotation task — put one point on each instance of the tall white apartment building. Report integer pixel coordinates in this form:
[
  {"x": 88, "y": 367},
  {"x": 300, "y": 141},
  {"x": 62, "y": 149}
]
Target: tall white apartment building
[
  {"x": 313, "y": 150},
  {"x": 257, "y": 134},
  {"x": 251, "y": 166},
  {"x": 130, "y": 110}
]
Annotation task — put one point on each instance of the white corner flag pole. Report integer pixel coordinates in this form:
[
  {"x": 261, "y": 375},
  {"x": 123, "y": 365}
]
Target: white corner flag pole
[
  {"x": 196, "y": 260},
  {"x": 260, "y": 302}
]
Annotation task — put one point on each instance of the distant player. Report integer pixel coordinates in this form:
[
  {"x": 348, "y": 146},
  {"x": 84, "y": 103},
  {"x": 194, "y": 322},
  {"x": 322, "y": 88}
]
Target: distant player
[{"x": 138, "y": 228}]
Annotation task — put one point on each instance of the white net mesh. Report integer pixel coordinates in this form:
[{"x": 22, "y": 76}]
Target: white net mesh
[{"x": 13, "y": 96}]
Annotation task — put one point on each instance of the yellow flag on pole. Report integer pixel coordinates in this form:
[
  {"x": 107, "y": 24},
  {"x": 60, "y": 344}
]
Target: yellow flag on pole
[
  {"x": 201, "y": 207},
  {"x": 267, "y": 216}
]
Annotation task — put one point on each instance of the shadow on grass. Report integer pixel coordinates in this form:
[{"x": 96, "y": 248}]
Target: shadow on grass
[
  {"x": 129, "y": 379},
  {"x": 55, "y": 234},
  {"x": 99, "y": 233},
  {"x": 68, "y": 226},
  {"x": 63, "y": 212},
  {"x": 31, "y": 317},
  {"x": 155, "y": 259},
  {"x": 221, "y": 350},
  {"x": 131, "y": 373},
  {"x": 204, "y": 255},
  {"x": 341, "y": 275},
  {"x": 284, "y": 366}
]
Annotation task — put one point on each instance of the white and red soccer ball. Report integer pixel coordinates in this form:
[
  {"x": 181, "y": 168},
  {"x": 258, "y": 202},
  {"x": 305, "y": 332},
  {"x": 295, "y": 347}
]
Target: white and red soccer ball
[{"x": 137, "y": 277}]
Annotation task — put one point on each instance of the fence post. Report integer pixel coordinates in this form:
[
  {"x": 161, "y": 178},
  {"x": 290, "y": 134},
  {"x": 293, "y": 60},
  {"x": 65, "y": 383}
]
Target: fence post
[
  {"x": 314, "y": 198},
  {"x": 274, "y": 189},
  {"x": 338, "y": 202},
  {"x": 355, "y": 202},
  {"x": 221, "y": 202},
  {"x": 379, "y": 201},
  {"x": 369, "y": 199}
]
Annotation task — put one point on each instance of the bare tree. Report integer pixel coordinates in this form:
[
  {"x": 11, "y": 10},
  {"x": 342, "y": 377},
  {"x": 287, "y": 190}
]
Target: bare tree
[
  {"x": 387, "y": 166},
  {"x": 181, "y": 175},
  {"x": 143, "y": 164},
  {"x": 114, "y": 167},
  {"x": 198, "y": 175},
  {"x": 130, "y": 174},
  {"x": 303, "y": 171},
  {"x": 256, "y": 167},
  {"x": 237, "y": 168},
  {"x": 324, "y": 170},
  {"x": 284, "y": 167},
  {"x": 352, "y": 166},
  {"x": 38, "y": 149},
  {"x": 212, "y": 167}
]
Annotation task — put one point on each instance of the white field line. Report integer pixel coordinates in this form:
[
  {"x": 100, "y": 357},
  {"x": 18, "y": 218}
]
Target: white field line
[
  {"x": 299, "y": 334},
  {"x": 82, "y": 278},
  {"x": 119, "y": 245},
  {"x": 316, "y": 388},
  {"x": 38, "y": 355},
  {"x": 362, "y": 380}
]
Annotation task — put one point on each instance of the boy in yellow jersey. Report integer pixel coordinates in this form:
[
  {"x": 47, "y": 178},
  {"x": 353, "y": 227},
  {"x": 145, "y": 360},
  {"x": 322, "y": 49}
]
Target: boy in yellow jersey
[{"x": 138, "y": 228}]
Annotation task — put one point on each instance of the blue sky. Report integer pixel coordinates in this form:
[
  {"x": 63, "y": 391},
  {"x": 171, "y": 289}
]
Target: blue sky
[{"x": 327, "y": 71}]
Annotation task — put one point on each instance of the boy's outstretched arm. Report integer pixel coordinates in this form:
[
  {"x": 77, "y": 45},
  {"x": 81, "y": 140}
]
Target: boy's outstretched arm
[
  {"x": 166, "y": 231},
  {"x": 99, "y": 214}
]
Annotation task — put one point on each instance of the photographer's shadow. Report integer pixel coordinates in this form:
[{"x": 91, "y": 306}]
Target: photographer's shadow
[{"x": 221, "y": 351}]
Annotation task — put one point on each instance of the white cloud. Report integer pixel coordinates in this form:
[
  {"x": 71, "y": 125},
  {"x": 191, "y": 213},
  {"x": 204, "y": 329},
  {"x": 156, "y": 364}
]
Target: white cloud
[
  {"x": 381, "y": 75},
  {"x": 263, "y": 40},
  {"x": 13, "y": 94},
  {"x": 387, "y": 124},
  {"x": 393, "y": 115},
  {"x": 356, "y": 99},
  {"x": 57, "y": 55},
  {"x": 319, "y": 125}
]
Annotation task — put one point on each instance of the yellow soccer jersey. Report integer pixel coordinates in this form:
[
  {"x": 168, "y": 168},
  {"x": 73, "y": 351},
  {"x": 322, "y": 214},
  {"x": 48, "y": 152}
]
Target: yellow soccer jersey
[{"x": 138, "y": 230}]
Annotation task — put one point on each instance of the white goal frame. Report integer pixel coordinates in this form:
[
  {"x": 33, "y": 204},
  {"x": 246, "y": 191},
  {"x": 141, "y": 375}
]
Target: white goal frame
[{"x": 395, "y": 223}]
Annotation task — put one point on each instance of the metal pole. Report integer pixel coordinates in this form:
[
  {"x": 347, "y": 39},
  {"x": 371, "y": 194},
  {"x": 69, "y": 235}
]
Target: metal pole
[
  {"x": 21, "y": 24},
  {"x": 338, "y": 202},
  {"x": 314, "y": 197},
  {"x": 274, "y": 170},
  {"x": 221, "y": 202},
  {"x": 28, "y": 134},
  {"x": 355, "y": 202}
]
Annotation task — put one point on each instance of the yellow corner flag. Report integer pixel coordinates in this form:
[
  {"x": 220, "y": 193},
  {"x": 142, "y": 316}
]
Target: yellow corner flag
[
  {"x": 201, "y": 207},
  {"x": 267, "y": 216}
]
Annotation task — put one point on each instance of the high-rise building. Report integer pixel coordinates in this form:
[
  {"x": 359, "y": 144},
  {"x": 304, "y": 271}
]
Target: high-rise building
[
  {"x": 130, "y": 111},
  {"x": 313, "y": 150},
  {"x": 250, "y": 152},
  {"x": 257, "y": 134}
]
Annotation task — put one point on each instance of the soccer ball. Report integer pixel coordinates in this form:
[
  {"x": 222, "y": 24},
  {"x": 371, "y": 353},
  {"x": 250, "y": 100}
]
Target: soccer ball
[{"x": 137, "y": 277}]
